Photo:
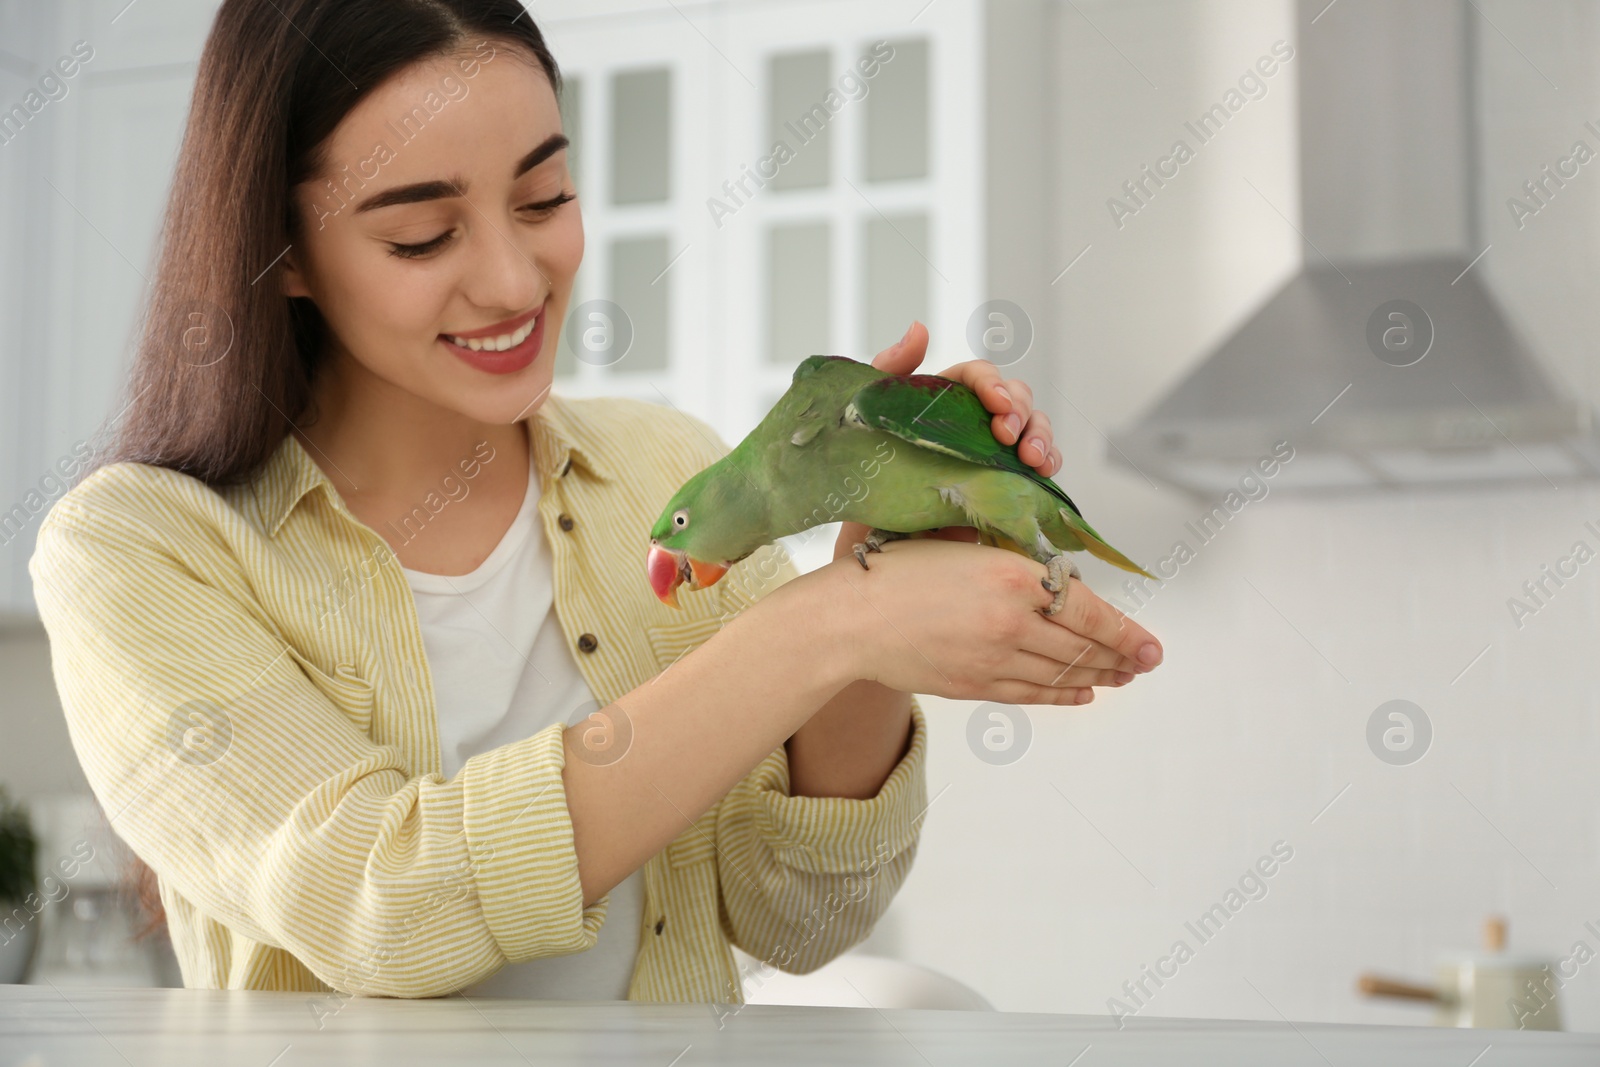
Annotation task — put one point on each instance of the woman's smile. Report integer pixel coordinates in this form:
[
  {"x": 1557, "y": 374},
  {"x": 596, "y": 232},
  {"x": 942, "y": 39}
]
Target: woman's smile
[
  {"x": 487, "y": 214},
  {"x": 504, "y": 348}
]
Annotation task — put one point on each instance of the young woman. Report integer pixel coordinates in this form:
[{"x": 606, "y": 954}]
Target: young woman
[{"x": 325, "y": 616}]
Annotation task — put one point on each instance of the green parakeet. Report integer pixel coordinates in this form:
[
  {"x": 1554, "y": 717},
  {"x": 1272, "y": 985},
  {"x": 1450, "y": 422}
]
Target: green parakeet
[{"x": 899, "y": 453}]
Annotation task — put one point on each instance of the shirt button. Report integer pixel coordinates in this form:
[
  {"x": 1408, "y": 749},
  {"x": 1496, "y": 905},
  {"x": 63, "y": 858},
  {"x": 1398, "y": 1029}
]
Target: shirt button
[
  {"x": 587, "y": 643},
  {"x": 565, "y": 521},
  {"x": 565, "y": 467},
  {"x": 660, "y": 923}
]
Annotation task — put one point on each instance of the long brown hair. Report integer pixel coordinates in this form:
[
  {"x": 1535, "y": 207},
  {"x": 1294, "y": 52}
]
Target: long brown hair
[{"x": 224, "y": 362}]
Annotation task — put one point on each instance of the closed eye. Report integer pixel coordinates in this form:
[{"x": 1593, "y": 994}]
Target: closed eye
[
  {"x": 542, "y": 209},
  {"x": 412, "y": 251},
  {"x": 545, "y": 207}
]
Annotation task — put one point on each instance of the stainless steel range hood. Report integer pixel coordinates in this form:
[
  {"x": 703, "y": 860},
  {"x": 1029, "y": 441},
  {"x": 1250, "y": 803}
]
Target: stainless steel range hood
[{"x": 1385, "y": 362}]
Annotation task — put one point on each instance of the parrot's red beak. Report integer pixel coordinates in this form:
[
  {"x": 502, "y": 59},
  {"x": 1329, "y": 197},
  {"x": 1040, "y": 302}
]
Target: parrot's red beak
[
  {"x": 666, "y": 573},
  {"x": 670, "y": 568}
]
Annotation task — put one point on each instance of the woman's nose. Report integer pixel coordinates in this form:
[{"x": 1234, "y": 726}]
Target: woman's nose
[{"x": 503, "y": 270}]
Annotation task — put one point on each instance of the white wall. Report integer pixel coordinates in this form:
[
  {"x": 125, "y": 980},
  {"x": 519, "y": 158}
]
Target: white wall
[{"x": 36, "y": 756}]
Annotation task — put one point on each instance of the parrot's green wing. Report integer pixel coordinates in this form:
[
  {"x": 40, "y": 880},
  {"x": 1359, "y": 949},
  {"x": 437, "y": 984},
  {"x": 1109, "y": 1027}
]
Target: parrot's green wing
[{"x": 943, "y": 415}]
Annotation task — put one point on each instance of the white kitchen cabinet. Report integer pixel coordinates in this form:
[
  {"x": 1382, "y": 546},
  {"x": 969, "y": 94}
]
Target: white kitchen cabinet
[
  {"x": 82, "y": 188},
  {"x": 871, "y": 214}
]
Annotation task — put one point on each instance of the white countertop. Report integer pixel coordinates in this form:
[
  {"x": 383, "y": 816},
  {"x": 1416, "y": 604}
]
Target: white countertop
[{"x": 41, "y": 1026}]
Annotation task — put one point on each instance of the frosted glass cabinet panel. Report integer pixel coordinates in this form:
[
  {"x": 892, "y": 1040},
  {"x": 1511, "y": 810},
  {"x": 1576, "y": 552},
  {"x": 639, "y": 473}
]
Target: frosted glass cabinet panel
[
  {"x": 641, "y": 136},
  {"x": 799, "y": 292},
  {"x": 797, "y": 116},
  {"x": 640, "y": 285},
  {"x": 571, "y": 104},
  {"x": 896, "y": 142},
  {"x": 896, "y": 278}
]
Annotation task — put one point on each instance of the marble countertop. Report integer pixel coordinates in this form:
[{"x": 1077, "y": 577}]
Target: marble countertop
[{"x": 44, "y": 1026}]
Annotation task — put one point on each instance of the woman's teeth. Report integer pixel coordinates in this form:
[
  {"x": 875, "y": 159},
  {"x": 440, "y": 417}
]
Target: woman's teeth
[{"x": 495, "y": 344}]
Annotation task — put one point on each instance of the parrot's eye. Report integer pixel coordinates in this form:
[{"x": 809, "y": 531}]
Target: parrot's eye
[{"x": 680, "y": 518}]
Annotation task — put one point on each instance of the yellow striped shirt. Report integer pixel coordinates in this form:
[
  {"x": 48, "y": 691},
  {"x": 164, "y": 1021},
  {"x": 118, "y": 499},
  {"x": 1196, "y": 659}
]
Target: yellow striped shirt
[{"x": 245, "y": 684}]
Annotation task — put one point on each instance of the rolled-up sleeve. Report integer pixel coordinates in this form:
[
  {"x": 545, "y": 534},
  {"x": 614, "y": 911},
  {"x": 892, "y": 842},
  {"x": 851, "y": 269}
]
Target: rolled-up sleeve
[
  {"x": 805, "y": 878},
  {"x": 254, "y": 797}
]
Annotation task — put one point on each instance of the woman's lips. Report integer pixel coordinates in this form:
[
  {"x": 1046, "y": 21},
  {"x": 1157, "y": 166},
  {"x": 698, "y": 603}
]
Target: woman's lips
[
  {"x": 509, "y": 326},
  {"x": 509, "y": 361}
]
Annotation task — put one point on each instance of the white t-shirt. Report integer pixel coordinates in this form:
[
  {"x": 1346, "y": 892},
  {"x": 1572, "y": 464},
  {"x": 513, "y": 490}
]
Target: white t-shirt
[{"x": 502, "y": 671}]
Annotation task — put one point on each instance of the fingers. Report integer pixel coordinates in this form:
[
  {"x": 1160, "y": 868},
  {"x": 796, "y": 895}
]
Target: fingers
[
  {"x": 1002, "y": 397},
  {"x": 1014, "y": 402},
  {"x": 1091, "y": 618},
  {"x": 1047, "y": 670},
  {"x": 1019, "y": 423},
  {"x": 1015, "y": 422},
  {"x": 1060, "y": 645},
  {"x": 1016, "y": 691},
  {"x": 906, "y": 354},
  {"x": 1038, "y": 444},
  {"x": 1089, "y": 630},
  {"x": 1037, "y": 447}
]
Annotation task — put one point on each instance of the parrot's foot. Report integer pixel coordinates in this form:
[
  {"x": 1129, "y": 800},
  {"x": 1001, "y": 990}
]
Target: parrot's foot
[
  {"x": 1061, "y": 568},
  {"x": 875, "y": 541}
]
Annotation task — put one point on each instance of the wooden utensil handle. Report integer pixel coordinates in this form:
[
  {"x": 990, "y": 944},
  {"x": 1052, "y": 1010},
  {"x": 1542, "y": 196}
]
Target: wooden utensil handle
[{"x": 1374, "y": 986}]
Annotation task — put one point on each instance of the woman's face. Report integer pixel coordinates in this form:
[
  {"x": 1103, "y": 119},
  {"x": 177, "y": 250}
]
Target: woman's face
[{"x": 443, "y": 217}]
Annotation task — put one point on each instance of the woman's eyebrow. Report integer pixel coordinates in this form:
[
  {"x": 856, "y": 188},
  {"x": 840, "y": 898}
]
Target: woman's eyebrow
[
  {"x": 552, "y": 144},
  {"x": 414, "y": 194},
  {"x": 456, "y": 185}
]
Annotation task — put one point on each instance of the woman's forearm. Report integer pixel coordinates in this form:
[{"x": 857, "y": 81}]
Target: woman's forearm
[
  {"x": 850, "y": 746},
  {"x": 698, "y": 728}
]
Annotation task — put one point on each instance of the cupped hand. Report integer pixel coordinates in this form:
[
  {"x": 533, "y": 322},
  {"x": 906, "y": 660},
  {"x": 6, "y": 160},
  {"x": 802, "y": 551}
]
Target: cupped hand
[
  {"x": 1008, "y": 400},
  {"x": 966, "y": 622},
  {"x": 1107, "y": 641}
]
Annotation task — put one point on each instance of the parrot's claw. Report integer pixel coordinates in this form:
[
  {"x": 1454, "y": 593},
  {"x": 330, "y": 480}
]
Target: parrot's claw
[
  {"x": 875, "y": 541},
  {"x": 1061, "y": 568}
]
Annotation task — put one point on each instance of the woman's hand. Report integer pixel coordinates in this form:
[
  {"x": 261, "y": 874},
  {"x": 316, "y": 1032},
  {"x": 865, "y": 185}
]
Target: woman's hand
[
  {"x": 1107, "y": 642},
  {"x": 965, "y": 622},
  {"x": 1009, "y": 400}
]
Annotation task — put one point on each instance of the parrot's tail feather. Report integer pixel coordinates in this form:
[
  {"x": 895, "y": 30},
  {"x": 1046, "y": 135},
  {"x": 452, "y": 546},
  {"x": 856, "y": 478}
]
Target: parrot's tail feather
[
  {"x": 1097, "y": 546},
  {"x": 1101, "y": 550}
]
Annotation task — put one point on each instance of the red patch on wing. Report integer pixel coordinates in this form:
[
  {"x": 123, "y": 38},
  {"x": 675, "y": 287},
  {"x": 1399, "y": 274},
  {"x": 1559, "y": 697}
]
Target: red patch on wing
[{"x": 928, "y": 383}]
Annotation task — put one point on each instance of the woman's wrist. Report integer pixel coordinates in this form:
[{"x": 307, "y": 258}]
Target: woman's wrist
[{"x": 820, "y": 597}]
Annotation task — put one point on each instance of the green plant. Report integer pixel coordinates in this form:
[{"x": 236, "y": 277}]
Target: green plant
[{"x": 18, "y": 847}]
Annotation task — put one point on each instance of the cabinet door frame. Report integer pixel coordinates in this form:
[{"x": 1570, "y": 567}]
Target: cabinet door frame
[{"x": 950, "y": 196}]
